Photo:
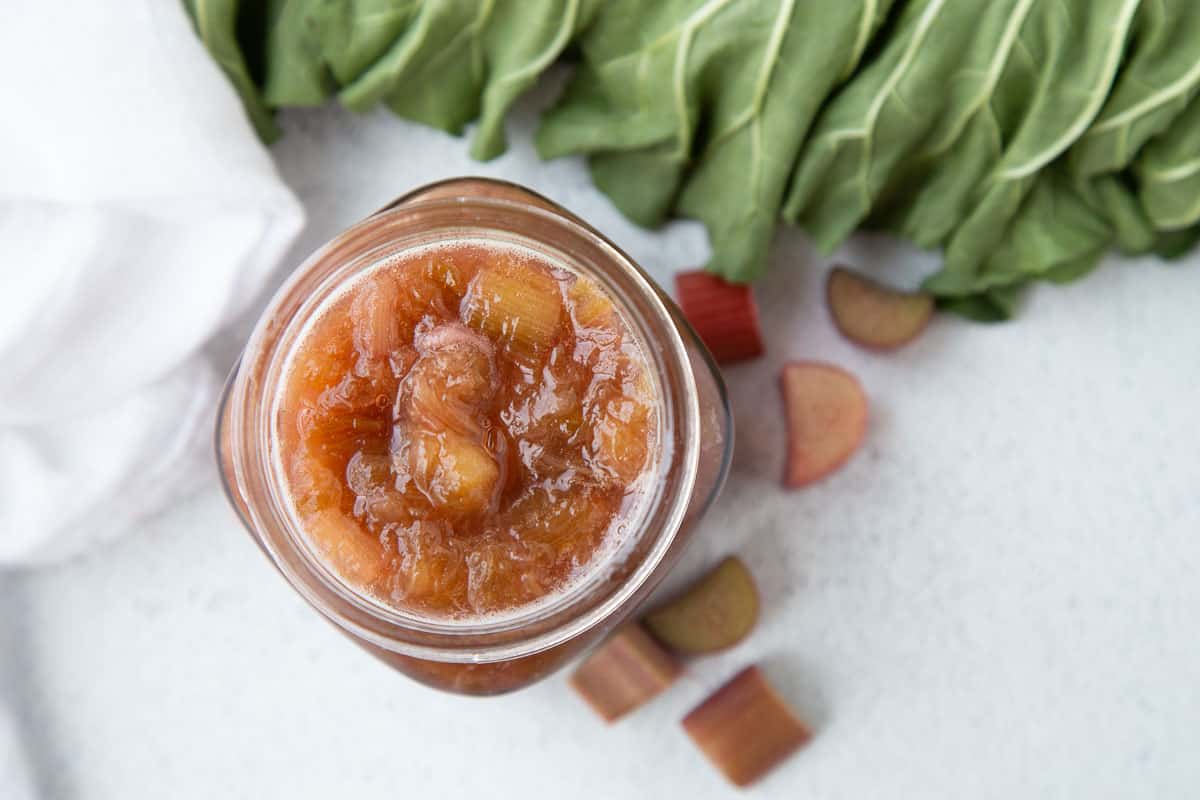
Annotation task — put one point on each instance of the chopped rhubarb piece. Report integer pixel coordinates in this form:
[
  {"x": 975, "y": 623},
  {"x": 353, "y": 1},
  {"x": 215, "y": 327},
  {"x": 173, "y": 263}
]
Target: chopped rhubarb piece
[
  {"x": 618, "y": 440},
  {"x": 745, "y": 728},
  {"x": 625, "y": 672},
  {"x": 452, "y": 380},
  {"x": 377, "y": 326},
  {"x": 520, "y": 304},
  {"x": 716, "y": 612},
  {"x": 590, "y": 307},
  {"x": 457, "y": 475},
  {"x": 826, "y": 416},
  {"x": 872, "y": 315},
  {"x": 354, "y": 553},
  {"x": 724, "y": 315}
]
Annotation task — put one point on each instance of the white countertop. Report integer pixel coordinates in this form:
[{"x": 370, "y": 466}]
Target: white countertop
[{"x": 996, "y": 598}]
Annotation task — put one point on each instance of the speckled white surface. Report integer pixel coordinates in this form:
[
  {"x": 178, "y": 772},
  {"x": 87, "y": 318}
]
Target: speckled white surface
[{"x": 997, "y": 598}]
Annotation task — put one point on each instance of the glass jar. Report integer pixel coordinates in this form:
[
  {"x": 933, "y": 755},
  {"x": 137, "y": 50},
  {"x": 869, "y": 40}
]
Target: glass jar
[{"x": 489, "y": 656}]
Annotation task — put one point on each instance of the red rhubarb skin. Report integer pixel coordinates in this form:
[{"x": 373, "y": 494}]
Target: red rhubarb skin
[
  {"x": 724, "y": 315},
  {"x": 745, "y": 728}
]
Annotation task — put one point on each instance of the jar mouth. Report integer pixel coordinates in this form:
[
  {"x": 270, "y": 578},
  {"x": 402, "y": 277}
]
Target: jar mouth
[{"x": 608, "y": 584}]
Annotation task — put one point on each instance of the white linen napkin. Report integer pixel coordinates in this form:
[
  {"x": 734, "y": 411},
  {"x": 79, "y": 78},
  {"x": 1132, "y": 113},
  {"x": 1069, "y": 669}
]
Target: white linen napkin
[
  {"x": 15, "y": 779},
  {"x": 138, "y": 215}
]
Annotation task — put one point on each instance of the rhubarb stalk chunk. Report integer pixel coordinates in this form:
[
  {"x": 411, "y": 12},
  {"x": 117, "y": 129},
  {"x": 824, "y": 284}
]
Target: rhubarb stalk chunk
[
  {"x": 716, "y": 612},
  {"x": 745, "y": 728},
  {"x": 724, "y": 315},
  {"x": 872, "y": 315},
  {"x": 625, "y": 672},
  {"x": 354, "y": 553},
  {"x": 826, "y": 419},
  {"x": 520, "y": 305}
]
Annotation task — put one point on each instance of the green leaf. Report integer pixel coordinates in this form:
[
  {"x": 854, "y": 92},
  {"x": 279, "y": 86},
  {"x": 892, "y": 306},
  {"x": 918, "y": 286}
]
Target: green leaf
[
  {"x": 1055, "y": 234},
  {"x": 760, "y": 114},
  {"x": 520, "y": 47},
  {"x": 1173, "y": 244},
  {"x": 699, "y": 108},
  {"x": 1161, "y": 75},
  {"x": 1168, "y": 172},
  {"x": 216, "y": 25},
  {"x": 633, "y": 89},
  {"x": 642, "y": 183},
  {"x": 1059, "y": 234},
  {"x": 295, "y": 73},
  {"x": 1068, "y": 77},
  {"x": 934, "y": 85},
  {"x": 460, "y": 59},
  {"x": 994, "y": 305},
  {"x": 637, "y": 90},
  {"x": 1113, "y": 198},
  {"x": 943, "y": 135},
  {"x": 354, "y": 34}
]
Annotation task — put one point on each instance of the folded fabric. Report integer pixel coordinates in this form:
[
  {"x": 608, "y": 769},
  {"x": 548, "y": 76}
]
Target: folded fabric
[
  {"x": 138, "y": 215},
  {"x": 14, "y": 769}
]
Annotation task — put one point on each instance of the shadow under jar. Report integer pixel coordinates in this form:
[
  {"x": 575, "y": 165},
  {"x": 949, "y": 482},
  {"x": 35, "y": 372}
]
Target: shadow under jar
[{"x": 464, "y": 639}]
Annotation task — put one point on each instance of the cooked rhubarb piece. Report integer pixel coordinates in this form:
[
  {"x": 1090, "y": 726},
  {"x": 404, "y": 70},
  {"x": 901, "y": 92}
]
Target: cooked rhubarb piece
[
  {"x": 625, "y": 672},
  {"x": 826, "y": 418},
  {"x": 377, "y": 320},
  {"x": 724, "y": 315},
  {"x": 590, "y": 306},
  {"x": 872, "y": 315},
  {"x": 745, "y": 728},
  {"x": 352, "y": 551},
  {"x": 451, "y": 274},
  {"x": 516, "y": 304},
  {"x": 315, "y": 486},
  {"x": 716, "y": 612},
  {"x": 549, "y": 517},
  {"x": 457, "y": 476},
  {"x": 425, "y": 565},
  {"x": 619, "y": 448}
]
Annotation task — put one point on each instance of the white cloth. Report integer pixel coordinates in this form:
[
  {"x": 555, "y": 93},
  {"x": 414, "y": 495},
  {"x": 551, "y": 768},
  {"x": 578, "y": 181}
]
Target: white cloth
[
  {"x": 15, "y": 780},
  {"x": 138, "y": 215}
]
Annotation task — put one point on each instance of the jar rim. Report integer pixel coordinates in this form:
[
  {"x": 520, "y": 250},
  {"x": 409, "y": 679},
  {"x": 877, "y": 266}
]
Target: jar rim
[{"x": 563, "y": 616}]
